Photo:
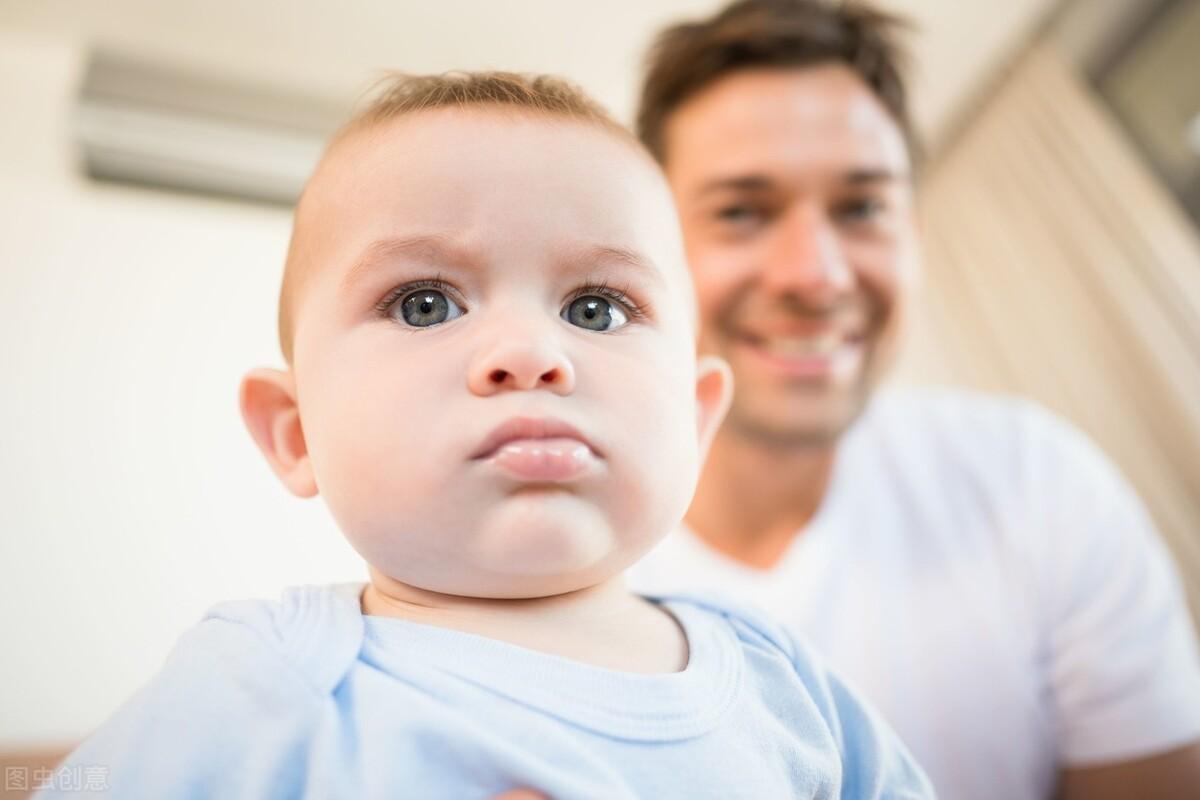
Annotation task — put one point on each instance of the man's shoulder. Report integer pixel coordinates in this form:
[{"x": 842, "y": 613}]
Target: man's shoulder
[
  {"x": 968, "y": 430},
  {"x": 935, "y": 409},
  {"x": 955, "y": 462}
]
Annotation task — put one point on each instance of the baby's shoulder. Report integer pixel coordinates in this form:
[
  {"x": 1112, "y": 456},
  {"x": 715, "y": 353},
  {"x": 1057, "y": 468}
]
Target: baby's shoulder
[
  {"x": 315, "y": 632},
  {"x": 235, "y": 700},
  {"x": 785, "y": 649},
  {"x": 751, "y": 625}
]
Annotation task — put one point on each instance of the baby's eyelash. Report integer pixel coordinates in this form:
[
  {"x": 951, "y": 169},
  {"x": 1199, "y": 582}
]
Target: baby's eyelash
[
  {"x": 401, "y": 291},
  {"x": 601, "y": 288},
  {"x": 609, "y": 292}
]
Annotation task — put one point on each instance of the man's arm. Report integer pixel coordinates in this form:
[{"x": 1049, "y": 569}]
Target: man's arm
[
  {"x": 1168, "y": 776},
  {"x": 1123, "y": 664}
]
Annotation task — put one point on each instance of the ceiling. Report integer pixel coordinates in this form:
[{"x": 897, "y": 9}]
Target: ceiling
[{"x": 335, "y": 49}]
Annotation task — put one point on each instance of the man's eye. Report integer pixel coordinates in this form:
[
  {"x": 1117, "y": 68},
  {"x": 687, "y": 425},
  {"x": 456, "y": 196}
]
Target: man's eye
[
  {"x": 425, "y": 308},
  {"x": 738, "y": 214},
  {"x": 595, "y": 313},
  {"x": 861, "y": 210}
]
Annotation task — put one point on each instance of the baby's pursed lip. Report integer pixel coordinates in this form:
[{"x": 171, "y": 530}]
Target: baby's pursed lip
[{"x": 526, "y": 428}]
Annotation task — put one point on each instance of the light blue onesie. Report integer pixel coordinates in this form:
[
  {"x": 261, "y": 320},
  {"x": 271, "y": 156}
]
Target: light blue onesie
[{"x": 307, "y": 697}]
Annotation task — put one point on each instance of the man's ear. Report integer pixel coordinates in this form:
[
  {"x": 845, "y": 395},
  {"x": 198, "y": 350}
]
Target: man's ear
[
  {"x": 268, "y": 401},
  {"x": 714, "y": 393}
]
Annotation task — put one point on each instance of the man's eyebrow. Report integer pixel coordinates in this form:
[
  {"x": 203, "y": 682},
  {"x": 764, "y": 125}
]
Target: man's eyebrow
[
  {"x": 860, "y": 177},
  {"x": 434, "y": 249},
  {"x": 863, "y": 176},
  {"x": 737, "y": 183}
]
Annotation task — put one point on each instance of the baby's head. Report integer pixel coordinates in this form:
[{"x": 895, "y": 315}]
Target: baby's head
[{"x": 489, "y": 329}]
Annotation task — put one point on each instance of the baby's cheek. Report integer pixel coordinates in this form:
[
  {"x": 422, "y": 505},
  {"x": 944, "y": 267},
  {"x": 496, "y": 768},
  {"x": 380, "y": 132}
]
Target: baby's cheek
[
  {"x": 663, "y": 457},
  {"x": 371, "y": 476}
]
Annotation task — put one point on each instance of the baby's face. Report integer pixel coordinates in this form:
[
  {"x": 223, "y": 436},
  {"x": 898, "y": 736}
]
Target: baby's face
[{"x": 494, "y": 359}]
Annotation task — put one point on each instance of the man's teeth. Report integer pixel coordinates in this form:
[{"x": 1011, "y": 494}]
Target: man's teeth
[{"x": 803, "y": 345}]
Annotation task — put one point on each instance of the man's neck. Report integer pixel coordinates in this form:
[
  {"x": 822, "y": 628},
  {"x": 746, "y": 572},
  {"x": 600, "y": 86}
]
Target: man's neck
[{"x": 753, "y": 500}]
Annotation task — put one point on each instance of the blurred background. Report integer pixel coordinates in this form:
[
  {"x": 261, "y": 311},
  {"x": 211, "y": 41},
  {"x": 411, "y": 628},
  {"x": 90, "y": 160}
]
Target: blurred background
[{"x": 149, "y": 152}]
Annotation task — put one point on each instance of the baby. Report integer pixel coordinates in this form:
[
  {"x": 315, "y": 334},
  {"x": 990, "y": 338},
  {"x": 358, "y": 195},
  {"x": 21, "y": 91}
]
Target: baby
[{"x": 492, "y": 380}]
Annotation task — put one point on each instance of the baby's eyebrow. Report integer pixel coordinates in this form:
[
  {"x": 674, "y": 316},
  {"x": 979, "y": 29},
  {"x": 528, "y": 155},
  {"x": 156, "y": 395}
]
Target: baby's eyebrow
[
  {"x": 588, "y": 258},
  {"x": 442, "y": 251},
  {"x": 437, "y": 250}
]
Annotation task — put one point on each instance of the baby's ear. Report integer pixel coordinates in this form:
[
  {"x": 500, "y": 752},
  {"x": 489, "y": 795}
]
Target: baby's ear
[
  {"x": 714, "y": 392},
  {"x": 268, "y": 401}
]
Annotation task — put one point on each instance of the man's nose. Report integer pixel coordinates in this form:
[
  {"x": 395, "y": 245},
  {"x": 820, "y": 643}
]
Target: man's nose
[
  {"x": 807, "y": 258},
  {"x": 520, "y": 357}
]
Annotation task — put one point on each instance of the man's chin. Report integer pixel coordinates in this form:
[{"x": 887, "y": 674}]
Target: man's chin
[{"x": 810, "y": 424}]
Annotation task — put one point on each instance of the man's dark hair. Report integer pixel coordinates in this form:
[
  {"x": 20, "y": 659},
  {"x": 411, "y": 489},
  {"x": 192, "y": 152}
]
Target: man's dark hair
[{"x": 688, "y": 57}]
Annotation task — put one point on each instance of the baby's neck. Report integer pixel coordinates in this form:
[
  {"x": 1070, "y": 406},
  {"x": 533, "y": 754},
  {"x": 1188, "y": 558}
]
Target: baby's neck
[{"x": 604, "y": 625}]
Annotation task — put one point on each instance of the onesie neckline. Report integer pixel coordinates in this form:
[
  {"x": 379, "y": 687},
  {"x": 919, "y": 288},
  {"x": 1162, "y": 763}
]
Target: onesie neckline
[{"x": 625, "y": 705}]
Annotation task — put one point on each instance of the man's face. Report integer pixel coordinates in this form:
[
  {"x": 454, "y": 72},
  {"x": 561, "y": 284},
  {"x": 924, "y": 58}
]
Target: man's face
[
  {"x": 794, "y": 190},
  {"x": 494, "y": 361}
]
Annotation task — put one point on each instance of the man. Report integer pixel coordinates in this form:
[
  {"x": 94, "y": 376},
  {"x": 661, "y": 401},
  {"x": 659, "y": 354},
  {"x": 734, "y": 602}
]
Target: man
[{"x": 975, "y": 566}]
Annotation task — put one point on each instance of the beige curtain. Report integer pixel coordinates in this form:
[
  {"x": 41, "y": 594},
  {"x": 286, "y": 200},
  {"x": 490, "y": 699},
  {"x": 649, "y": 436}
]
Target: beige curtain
[{"x": 1058, "y": 268}]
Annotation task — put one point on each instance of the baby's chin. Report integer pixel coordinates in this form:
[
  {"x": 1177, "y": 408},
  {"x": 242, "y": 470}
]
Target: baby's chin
[
  {"x": 512, "y": 556},
  {"x": 529, "y": 587},
  {"x": 483, "y": 584}
]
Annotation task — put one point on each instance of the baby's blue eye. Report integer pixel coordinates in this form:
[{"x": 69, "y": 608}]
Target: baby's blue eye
[
  {"x": 595, "y": 313},
  {"x": 427, "y": 307}
]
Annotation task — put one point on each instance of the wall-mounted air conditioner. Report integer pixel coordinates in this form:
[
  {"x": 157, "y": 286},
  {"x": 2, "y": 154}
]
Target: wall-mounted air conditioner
[{"x": 170, "y": 127}]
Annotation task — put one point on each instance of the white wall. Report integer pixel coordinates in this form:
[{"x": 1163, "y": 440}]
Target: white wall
[{"x": 131, "y": 497}]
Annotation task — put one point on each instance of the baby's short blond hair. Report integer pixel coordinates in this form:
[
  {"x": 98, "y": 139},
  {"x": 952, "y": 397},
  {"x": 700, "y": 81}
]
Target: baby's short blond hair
[{"x": 399, "y": 95}]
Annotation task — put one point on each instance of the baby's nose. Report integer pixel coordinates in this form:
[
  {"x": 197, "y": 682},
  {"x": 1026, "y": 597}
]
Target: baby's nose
[{"x": 521, "y": 366}]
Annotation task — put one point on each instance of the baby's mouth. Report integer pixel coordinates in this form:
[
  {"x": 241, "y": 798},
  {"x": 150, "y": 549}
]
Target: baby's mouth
[
  {"x": 544, "y": 460},
  {"x": 542, "y": 450}
]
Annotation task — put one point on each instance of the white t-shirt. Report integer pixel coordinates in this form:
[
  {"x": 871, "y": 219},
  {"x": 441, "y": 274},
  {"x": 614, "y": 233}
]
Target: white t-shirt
[{"x": 983, "y": 575}]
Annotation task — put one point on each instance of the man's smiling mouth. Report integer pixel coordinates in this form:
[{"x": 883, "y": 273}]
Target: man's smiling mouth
[{"x": 820, "y": 355}]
